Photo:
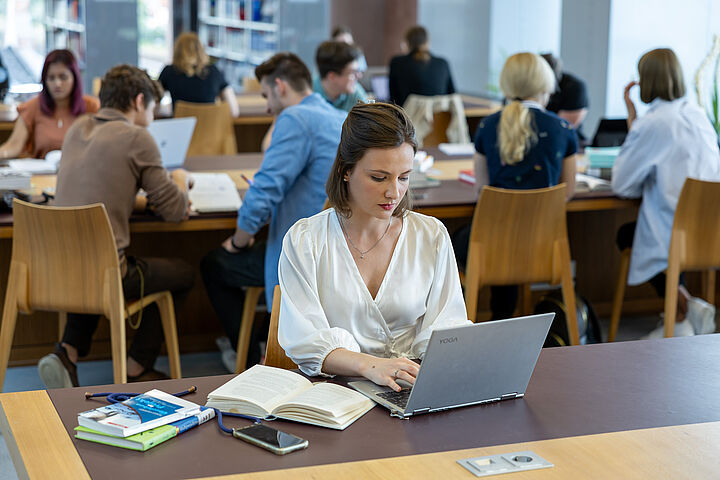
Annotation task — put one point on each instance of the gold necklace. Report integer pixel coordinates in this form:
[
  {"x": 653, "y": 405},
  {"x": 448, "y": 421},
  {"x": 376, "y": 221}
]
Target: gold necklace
[{"x": 362, "y": 254}]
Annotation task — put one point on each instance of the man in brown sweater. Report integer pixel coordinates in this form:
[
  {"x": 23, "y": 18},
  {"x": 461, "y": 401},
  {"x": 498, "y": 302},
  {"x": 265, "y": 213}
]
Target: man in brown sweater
[{"x": 106, "y": 158}]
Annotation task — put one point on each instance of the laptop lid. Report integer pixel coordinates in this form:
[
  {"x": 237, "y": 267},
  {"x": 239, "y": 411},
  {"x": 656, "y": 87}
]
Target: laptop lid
[
  {"x": 611, "y": 132},
  {"x": 381, "y": 87},
  {"x": 173, "y": 136}
]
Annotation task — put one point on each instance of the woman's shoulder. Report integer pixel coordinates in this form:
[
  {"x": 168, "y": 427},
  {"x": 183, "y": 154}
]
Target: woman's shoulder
[
  {"x": 418, "y": 222},
  {"x": 548, "y": 119},
  {"x": 31, "y": 106},
  {"x": 315, "y": 226}
]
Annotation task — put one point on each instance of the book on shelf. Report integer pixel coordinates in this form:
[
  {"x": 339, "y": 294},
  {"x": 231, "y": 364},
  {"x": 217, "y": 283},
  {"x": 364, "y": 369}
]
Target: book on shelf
[
  {"x": 588, "y": 183},
  {"x": 263, "y": 391},
  {"x": 149, "y": 438},
  {"x": 143, "y": 412},
  {"x": 467, "y": 176}
]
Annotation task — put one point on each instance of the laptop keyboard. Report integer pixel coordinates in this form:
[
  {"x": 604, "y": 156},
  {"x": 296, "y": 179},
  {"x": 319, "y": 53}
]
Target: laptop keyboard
[{"x": 397, "y": 398}]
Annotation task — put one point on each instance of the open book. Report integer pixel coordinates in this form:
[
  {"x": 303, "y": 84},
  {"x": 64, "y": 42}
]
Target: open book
[
  {"x": 214, "y": 192},
  {"x": 267, "y": 391},
  {"x": 587, "y": 183}
]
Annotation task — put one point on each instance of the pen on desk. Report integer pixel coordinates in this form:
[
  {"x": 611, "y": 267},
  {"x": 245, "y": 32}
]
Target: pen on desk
[{"x": 249, "y": 182}]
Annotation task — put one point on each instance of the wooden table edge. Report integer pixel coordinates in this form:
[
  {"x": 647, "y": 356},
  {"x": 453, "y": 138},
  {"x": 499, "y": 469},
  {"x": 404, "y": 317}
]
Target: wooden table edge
[{"x": 41, "y": 448}]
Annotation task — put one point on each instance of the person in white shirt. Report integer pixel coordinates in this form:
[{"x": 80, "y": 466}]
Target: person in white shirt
[
  {"x": 671, "y": 142},
  {"x": 365, "y": 282}
]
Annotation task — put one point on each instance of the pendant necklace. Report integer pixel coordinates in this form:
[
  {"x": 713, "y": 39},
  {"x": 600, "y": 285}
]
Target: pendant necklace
[
  {"x": 362, "y": 254},
  {"x": 59, "y": 123}
]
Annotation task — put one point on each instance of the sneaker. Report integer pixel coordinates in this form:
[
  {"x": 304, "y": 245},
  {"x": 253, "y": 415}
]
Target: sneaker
[
  {"x": 702, "y": 316},
  {"x": 57, "y": 371},
  {"x": 229, "y": 360},
  {"x": 148, "y": 375},
  {"x": 223, "y": 344},
  {"x": 682, "y": 329}
]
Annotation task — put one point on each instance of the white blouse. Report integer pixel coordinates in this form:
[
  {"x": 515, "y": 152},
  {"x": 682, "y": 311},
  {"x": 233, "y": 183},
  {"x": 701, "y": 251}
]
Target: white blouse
[{"x": 326, "y": 305}]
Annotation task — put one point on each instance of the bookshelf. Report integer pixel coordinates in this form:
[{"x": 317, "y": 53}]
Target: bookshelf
[
  {"x": 65, "y": 27},
  {"x": 241, "y": 34},
  {"x": 100, "y": 33}
]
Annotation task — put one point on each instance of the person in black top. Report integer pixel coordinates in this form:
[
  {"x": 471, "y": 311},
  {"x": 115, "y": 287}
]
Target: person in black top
[
  {"x": 418, "y": 72},
  {"x": 191, "y": 78},
  {"x": 570, "y": 100}
]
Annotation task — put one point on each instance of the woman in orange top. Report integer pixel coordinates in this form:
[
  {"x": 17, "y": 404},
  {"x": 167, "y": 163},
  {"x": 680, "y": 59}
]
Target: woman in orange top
[{"x": 44, "y": 120}]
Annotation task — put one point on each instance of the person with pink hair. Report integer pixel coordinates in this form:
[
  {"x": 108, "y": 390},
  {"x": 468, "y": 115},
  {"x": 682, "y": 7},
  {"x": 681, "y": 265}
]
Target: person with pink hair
[{"x": 44, "y": 120}]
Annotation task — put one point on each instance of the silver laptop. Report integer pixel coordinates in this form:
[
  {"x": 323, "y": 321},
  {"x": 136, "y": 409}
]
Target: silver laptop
[
  {"x": 468, "y": 365},
  {"x": 173, "y": 136}
]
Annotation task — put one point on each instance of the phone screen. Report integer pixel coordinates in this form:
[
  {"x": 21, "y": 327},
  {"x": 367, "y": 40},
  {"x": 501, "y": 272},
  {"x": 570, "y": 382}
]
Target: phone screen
[{"x": 271, "y": 436}]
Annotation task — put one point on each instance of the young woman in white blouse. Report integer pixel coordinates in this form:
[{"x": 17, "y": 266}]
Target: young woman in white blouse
[
  {"x": 674, "y": 140},
  {"x": 365, "y": 282}
]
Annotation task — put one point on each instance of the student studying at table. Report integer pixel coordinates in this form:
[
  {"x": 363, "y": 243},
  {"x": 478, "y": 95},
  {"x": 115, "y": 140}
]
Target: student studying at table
[
  {"x": 44, "y": 120},
  {"x": 338, "y": 83},
  {"x": 674, "y": 140},
  {"x": 106, "y": 158},
  {"x": 364, "y": 283},
  {"x": 419, "y": 72},
  {"x": 521, "y": 147},
  {"x": 289, "y": 185},
  {"x": 191, "y": 77}
]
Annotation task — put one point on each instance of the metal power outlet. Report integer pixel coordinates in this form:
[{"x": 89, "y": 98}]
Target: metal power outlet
[{"x": 504, "y": 463}]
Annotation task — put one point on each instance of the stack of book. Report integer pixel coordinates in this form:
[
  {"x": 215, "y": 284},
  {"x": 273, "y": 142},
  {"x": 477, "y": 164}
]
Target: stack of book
[{"x": 141, "y": 422}]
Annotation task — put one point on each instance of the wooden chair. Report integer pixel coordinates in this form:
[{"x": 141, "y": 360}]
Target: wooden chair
[
  {"x": 274, "y": 353},
  {"x": 214, "y": 131},
  {"x": 694, "y": 245},
  {"x": 520, "y": 237},
  {"x": 64, "y": 259},
  {"x": 438, "y": 135},
  {"x": 252, "y": 295}
]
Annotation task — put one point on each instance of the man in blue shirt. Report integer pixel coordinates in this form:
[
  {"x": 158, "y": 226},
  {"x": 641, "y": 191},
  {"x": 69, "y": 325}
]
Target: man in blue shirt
[
  {"x": 290, "y": 185},
  {"x": 340, "y": 72}
]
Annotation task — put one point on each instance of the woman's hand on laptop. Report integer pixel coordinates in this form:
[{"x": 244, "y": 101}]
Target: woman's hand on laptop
[{"x": 387, "y": 371}]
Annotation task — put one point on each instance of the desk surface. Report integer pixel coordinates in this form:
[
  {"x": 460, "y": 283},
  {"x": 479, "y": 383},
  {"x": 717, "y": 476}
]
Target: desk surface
[
  {"x": 575, "y": 391},
  {"x": 453, "y": 199}
]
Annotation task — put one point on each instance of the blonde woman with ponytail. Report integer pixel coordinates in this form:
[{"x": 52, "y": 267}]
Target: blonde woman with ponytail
[
  {"x": 521, "y": 147},
  {"x": 191, "y": 77}
]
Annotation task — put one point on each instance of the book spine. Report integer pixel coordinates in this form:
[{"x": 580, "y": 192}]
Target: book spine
[{"x": 187, "y": 423}]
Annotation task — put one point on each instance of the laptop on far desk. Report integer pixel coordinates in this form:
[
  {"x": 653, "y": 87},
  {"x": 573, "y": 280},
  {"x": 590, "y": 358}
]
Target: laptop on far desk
[
  {"x": 469, "y": 365},
  {"x": 172, "y": 136}
]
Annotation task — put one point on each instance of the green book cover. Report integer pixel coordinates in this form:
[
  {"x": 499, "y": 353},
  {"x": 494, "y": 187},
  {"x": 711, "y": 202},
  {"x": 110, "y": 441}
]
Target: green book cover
[{"x": 140, "y": 441}]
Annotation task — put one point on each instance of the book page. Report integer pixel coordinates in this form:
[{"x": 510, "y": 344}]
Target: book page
[
  {"x": 327, "y": 399},
  {"x": 265, "y": 386}
]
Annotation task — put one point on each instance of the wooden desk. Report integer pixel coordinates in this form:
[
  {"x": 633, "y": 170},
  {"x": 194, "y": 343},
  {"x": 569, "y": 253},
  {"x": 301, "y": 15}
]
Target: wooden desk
[{"x": 630, "y": 410}]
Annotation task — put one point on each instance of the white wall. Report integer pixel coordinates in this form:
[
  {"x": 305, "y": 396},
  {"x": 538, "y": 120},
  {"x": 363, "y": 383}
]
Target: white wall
[
  {"x": 686, "y": 26},
  {"x": 459, "y": 31}
]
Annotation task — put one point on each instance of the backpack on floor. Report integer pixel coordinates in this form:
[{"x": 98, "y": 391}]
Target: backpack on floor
[{"x": 588, "y": 325}]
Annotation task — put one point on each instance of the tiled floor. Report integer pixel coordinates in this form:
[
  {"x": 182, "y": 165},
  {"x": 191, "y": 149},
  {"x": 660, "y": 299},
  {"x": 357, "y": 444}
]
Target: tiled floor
[{"x": 210, "y": 363}]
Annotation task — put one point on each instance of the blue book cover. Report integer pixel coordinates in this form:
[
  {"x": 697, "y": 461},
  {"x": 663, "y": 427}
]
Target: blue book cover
[{"x": 138, "y": 414}]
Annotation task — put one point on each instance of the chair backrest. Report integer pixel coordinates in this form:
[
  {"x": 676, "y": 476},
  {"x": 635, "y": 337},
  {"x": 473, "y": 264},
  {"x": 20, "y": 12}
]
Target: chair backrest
[
  {"x": 696, "y": 227},
  {"x": 274, "y": 353},
  {"x": 438, "y": 134},
  {"x": 516, "y": 235},
  {"x": 214, "y": 131},
  {"x": 70, "y": 256},
  {"x": 250, "y": 85}
]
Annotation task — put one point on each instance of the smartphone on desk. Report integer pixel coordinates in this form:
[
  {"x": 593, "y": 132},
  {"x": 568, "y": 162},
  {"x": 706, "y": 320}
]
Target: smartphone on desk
[{"x": 270, "y": 439}]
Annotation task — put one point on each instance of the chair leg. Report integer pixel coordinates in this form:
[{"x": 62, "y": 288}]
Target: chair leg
[
  {"x": 526, "y": 302},
  {"x": 619, "y": 294},
  {"x": 671, "y": 296},
  {"x": 9, "y": 318},
  {"x": 117, "y": 344},
  {"x": 709, "y": 286},
  {"x": 167, "y": 317},
  {"x": 472, "y": 292},
  {"x": 562, "y": 251},
  {"x": 62, "y": 321},
  {"x": 246, "y": 325}
]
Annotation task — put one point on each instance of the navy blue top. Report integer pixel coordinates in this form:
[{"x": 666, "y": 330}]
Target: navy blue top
[
  {"x": 197, "y": 89},
  {"x": 542, "y": 163}
]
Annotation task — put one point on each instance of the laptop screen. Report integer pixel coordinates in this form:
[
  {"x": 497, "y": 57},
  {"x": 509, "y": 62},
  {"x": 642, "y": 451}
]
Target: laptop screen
[
  {"x": 611, "y": 132},
  {"x": 381, "y": 87},
  {"x": 172, "y": 136}
]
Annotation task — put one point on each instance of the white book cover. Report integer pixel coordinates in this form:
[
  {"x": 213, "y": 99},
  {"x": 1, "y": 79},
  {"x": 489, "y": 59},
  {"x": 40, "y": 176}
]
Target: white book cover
[{"x": 214, "y": 192}]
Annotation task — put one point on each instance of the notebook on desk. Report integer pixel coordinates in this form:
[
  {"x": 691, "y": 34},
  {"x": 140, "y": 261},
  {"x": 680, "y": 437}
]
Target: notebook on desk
[
  {"x": 172, "y": 136},
  {"x": 469, "y": 365}
]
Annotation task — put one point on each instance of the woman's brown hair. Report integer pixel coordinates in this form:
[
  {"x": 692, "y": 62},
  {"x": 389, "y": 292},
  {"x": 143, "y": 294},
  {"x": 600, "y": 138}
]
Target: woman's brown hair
[
  {"x": 660, "y": 76},
  {"x": 417, "y": 41},
  {"x": 368, "y": 125}
]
